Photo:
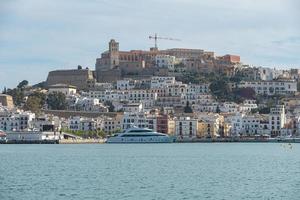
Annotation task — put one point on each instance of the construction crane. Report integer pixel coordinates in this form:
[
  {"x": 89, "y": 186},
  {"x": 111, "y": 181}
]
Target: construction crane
[{"x": 155, "y": 38}]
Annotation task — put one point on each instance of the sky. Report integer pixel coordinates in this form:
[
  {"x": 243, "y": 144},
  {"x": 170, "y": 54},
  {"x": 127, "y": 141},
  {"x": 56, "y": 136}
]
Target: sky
[{"x": 37, "y": 36}]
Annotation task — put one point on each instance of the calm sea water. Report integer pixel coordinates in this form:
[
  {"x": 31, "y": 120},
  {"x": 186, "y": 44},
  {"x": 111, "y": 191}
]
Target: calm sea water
[{"x": 150, "y": 171}]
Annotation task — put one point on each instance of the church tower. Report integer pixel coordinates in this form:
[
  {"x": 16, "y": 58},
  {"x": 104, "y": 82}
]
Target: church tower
[
  {"x": 106, "y": 65},
  {"x": 113, "y": 53}
]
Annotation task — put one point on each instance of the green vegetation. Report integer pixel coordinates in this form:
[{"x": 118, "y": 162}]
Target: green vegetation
[
  {"x": 194, "y": 78},
  {"x": 57, "y": 101},
  {"x": 23, "y": 84},
  {"x": 219, "y": 86},
  {"x": 35, "y": 102},
  {"x": 17, "y": 93},
  {"x": 220, "y": 89}
]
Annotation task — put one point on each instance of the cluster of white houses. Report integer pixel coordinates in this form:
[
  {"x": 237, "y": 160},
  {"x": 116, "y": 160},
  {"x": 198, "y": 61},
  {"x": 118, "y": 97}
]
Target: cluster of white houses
[
  {"x": 183, "y": 126},
  {"x": 158, "y": 103}
]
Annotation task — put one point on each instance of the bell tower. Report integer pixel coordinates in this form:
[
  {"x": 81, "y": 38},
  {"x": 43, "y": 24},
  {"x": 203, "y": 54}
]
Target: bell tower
[{"x": 113, "y": 53}]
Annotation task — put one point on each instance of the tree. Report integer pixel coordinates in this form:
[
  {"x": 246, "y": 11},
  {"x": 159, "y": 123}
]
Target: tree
[
  {"x": 17, "y": 95},
  {"x": 35, "y": 102},
  {"x": 298, "y": 86},
  {"x": 187, "y": 108},
  {"x": 247, "y": 93},
  {"x": 57, "y": 101},
  {"x": 22, "y": 84},
  {"x": 4, "y": 90},
  {"x": 220, "y": 89}
]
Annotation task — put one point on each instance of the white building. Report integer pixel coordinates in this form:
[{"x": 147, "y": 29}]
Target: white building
[
  {"x": 198, "y": 88},
  {"x": 248, "y": 105},
  {"x": 80, "y": 103},
  {"x": 165, "y": 61},
  {"x": 198, "y": 99},
  {"x": 141, "y": 120},
  {"x": 162, "y": 81},
  {"x": 63, "y": 88},
  {"x": 108, "y": 95},
  {"x": 229, "y": 107},
  {"x": 90, "y": 104},
  {"x": 19, "y": 121},
  {"x": 268, "y": 74},
  {"x": 186, "y": 127},
  {"x": 177, "y": 89},
  {"x": 254, "y": 125},
  {"x": 248, "y": 125},
  {"x": 84, "y": 124},
  {"x": 133, "y": 107},
  {"x": 205, "y": 107},
  {"x": 132, "y": 95},
  {"x": 277, "y": 119},
  {"x": 283, "y": 87},
  {"x": 125, "y": 84}
]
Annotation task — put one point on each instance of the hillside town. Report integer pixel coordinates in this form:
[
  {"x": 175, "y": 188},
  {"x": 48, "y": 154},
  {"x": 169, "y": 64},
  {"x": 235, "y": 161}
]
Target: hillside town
[{"x": 190, "y": 94}]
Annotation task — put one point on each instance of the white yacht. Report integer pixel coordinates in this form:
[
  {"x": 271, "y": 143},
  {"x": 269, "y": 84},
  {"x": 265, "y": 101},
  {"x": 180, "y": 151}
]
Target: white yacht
[{"x": 139, "y": 135}]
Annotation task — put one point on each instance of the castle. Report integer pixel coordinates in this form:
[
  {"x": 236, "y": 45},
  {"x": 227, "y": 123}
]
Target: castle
[{"x": 115, "y": 64}]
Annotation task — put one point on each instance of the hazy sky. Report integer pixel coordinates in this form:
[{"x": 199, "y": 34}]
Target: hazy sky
[{"x": 37, "y": 36}]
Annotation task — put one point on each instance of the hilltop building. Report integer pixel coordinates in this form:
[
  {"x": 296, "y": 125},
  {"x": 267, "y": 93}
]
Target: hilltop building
[
  {"x": 76, "y": 77},
  {"x": 115, "y": 64},
  {"x": 63, "y": 88}
]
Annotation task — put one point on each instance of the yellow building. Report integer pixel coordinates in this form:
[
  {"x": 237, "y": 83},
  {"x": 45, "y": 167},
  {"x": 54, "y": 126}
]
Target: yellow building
[
  {"x": 208, "y": 129},
  {"x": 210, "y": 125},
  {"x": 6, "y": 100},
  {"x": 171, "y": 126}
]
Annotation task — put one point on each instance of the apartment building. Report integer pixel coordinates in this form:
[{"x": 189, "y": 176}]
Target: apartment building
[
  {"x": 280, "y": 87},
  {"x": 186, "y": 127},
  {"x": 141, "y": 120},
  {"x": 19, "y": 121},
  {"x": 78, "y": 123},
  {"x": 277, "y": 119},
  {"x": 165, "y": 61},
  {"x": 162, "y": 81}
]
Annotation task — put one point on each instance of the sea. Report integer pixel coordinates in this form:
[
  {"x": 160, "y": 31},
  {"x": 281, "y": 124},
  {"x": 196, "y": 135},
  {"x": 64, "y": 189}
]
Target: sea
[{"x": 150, "y": 171}]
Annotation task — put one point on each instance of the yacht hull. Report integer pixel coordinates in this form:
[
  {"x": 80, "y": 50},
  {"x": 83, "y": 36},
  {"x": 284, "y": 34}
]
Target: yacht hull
[{"x": 163, "y": 139}]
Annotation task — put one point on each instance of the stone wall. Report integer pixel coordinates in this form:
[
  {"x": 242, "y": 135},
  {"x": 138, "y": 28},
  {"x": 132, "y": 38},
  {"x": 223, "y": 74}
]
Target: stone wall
[{"x": 75, "y": 77}]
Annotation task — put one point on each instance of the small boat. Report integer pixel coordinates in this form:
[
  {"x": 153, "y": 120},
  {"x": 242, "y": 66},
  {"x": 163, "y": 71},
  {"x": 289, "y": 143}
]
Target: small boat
[{"x": 140, "y": 135}]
